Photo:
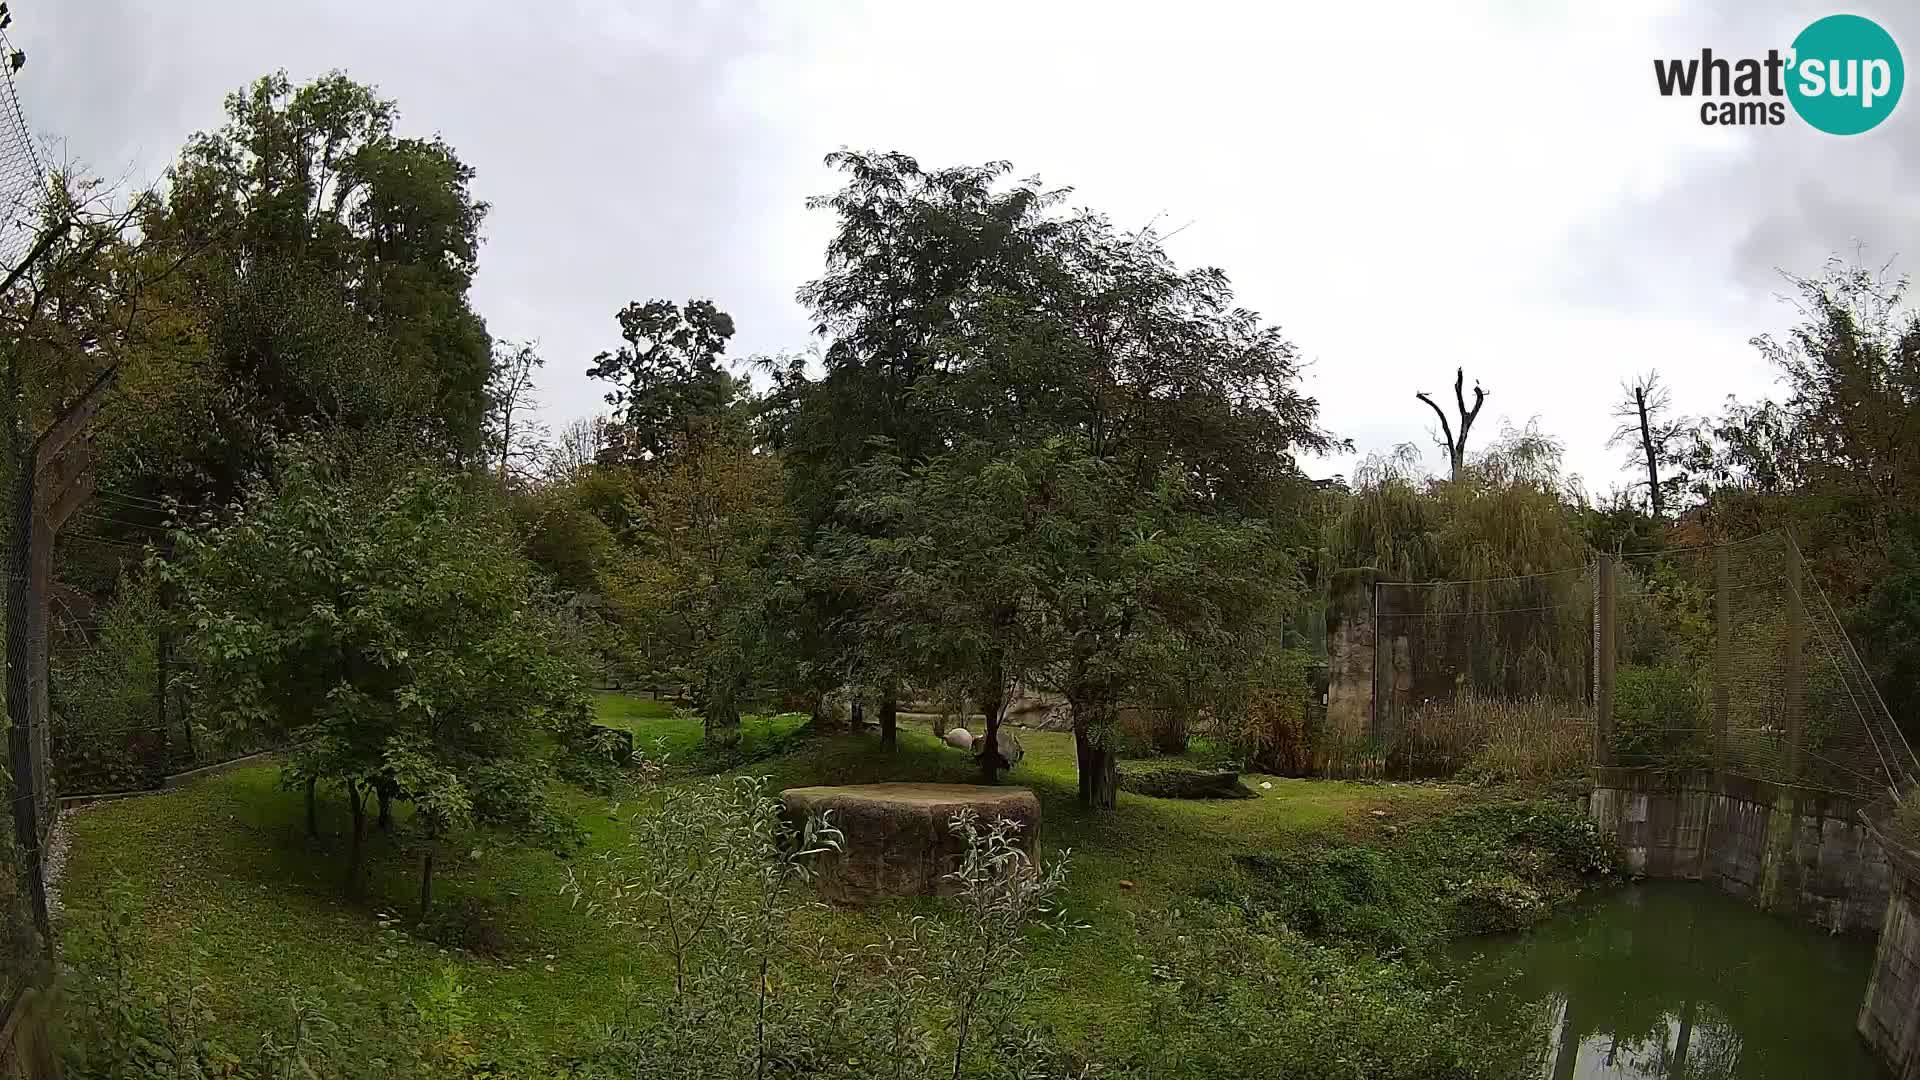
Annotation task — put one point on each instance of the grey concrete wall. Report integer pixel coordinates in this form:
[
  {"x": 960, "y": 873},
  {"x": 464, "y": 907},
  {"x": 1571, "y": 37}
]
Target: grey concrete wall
[
  {"x": 1890, "y": 1013},
  {"x": 1800, "y": 852},
  {"x": 1350, "y": 676}
]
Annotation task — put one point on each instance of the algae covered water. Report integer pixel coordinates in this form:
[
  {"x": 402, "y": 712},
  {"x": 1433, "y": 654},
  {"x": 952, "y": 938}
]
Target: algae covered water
[{"x": 1672, "y": 979}]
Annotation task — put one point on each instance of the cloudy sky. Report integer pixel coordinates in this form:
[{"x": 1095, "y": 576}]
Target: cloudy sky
[{"x": 1426, "y": 185}]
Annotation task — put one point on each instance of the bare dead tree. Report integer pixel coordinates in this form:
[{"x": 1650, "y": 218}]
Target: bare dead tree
[
  {"x": 1649, "y": 431},
  {"x": 578, "y": 446},
  {"x": 1456, "y": 447},
  {"x": 511, "y": 434}
]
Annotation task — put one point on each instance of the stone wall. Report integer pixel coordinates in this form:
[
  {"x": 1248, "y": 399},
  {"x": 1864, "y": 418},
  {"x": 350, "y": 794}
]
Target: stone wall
[
  {"x": 1890, "y": 1013},
  {"x": 1800, "y": 852}
]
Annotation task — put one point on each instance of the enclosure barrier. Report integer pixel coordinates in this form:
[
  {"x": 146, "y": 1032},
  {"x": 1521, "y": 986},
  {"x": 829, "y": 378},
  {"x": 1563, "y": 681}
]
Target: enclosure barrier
[{"x": 1726, "y": 658}]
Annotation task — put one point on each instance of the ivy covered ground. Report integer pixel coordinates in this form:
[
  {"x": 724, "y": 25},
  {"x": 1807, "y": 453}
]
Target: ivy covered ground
[{"x": 1217, "y": 934}]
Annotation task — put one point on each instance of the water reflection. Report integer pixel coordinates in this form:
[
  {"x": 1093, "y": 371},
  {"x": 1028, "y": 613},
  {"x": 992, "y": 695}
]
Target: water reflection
[{"x": 1673, "y": 980}]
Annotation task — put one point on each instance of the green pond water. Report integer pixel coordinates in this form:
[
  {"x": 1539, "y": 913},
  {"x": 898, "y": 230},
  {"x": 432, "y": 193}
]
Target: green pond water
[{"x": 1672, "y": 979}]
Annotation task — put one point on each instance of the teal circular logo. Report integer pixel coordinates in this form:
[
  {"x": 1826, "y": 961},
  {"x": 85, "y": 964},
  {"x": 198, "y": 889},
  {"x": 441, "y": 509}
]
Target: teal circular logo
[{"x": 1846, "y": 74}]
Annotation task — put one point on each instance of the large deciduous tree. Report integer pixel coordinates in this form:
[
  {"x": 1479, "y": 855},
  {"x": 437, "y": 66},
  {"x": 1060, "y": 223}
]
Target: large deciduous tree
[
  {"x": 1838, "y": 461},
  {"x": 965, "y": 316},
  {"x": 332, "y": 290},
  {"x": 691, "y": 584}
]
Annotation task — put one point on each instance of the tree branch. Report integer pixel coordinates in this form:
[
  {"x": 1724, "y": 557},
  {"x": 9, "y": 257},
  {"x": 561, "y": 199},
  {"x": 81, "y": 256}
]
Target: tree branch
[{"x": 1446, "y": 429}]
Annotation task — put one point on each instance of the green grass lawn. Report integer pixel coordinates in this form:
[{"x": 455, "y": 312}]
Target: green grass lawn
[
  {"x": 226, "y": 889},
  {"x": 661, "y": 727}
]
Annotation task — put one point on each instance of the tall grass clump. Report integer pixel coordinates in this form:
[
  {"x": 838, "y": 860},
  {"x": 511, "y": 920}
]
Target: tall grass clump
[{"x": 1533, "y": 741}]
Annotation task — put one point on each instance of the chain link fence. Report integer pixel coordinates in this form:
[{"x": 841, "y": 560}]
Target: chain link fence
[{"x": 25, "y": 828}]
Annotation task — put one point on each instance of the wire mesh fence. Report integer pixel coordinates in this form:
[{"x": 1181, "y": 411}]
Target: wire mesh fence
[
  {"x": 29, "y": 794},
  {"x": 1723, "y": 657},
  {"x": 1731, "y": 658},
  {"x": 23, "y": 179}
]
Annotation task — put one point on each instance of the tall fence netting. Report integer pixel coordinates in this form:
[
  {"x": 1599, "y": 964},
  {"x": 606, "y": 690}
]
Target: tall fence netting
[
  {"x": 29, "y": 794},
  {"x": 1720, "y": 657},
  {"x": 1730, "y": 657},
  {"x": 1490, "y": 675}
]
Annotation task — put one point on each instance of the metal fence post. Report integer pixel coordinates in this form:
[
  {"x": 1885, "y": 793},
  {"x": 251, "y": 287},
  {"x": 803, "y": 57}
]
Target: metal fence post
[
  {"x": 1603, "y": 659},
  {"x": 1795, "y": 690},
  {"x": 1722, "y": 656},
  {"x": 1381, "y": 645}
]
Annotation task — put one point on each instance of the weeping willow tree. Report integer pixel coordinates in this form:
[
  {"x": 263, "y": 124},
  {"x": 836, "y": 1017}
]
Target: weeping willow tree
[{"x": 1490, "y": 590}]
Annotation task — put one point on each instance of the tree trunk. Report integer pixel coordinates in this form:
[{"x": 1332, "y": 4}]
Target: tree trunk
[
  {"x": 889, "y": 723},
  {"x": 1654, "y": 497},
  {"x": 426, "y": 879},
  {"x": 386, "y": 808},
  {"x": 356, "y": 843},
  {"x": 993, "y": 706},
  {"x": 720, "y": 707},
  {"x": 1099, "y": 766},
  {"x": 826, "y": 717},
  {"x": 857, "y": 715},
  {"x": 313, "y": 809}
]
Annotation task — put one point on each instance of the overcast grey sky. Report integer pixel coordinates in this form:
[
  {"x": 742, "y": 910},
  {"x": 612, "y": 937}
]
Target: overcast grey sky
[{"x": 1419, "y": 186}]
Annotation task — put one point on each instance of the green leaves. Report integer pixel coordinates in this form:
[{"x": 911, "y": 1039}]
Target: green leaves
[{"x": 377, "y": 610}]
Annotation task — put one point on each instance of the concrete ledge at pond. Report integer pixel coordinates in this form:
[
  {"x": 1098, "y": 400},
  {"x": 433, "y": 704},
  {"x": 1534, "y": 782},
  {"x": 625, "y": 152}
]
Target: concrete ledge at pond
[
  {"x": 1798, "y": 851},
  {"x": 1889, "y": 1017},
  {"x": 899, "y": 837}
]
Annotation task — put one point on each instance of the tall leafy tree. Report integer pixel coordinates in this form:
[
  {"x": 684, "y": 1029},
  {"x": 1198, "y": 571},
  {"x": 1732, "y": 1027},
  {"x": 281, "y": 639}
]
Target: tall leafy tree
[
  {"x": 332, "y": 288},
  {"x": 1838, "y": 460},
  {"x": 934, "y": 557},
  {"x": 917, "y": 255},
  {"x": 692, "y": 582},
  {"x": 964, "y": 310},
  {"x": 670, "y": 380}
]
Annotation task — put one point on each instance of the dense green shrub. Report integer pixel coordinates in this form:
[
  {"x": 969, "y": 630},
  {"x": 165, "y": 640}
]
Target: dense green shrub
[
  {"x": 1246, "y": 995},
  {"x": 712, "y": 880},
  {"x": 1347, "y": 892},
  {"x": 1275, "y": 733},
  {"x": 1497, "y": 867},
  {"x": 105, "y": 724},
  {"x": 1534, "y": 741}
]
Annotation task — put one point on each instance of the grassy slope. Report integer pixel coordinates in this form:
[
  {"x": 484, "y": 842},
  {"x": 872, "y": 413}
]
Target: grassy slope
[{"x": 225, "y": 884}]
